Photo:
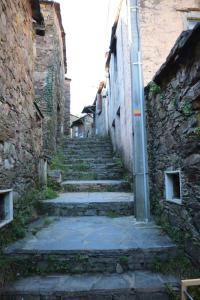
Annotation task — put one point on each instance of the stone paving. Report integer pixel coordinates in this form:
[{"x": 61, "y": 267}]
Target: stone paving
[
  {"x": 92, "y": 197},
  {"x": 94, "y": 233},
  {"x": 102, "y": 242},
  {"x": 97, "y": 286}
]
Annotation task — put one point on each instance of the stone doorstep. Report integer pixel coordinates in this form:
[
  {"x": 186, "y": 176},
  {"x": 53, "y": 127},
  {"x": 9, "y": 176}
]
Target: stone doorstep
[{"x": 143, "y": 285}]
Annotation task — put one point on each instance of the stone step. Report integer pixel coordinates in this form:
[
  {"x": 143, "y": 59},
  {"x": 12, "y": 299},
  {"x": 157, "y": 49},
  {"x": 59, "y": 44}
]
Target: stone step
[
  {"x": 127, "y": 286},
  {"x": 90, "y": 245},
  {"x": 89, "y": 146},
  {"x": 93, "y": 175},
  {"x": 87, "y": 141},
  {"x": 96, "y": 186},
  {"x": 91, "y": 160},
  {"x": 89, "y": 204},
  {"x": 89, "y": 155},
  {"x": 87, "y": 150},
  {"x": 93, "y": 166}
]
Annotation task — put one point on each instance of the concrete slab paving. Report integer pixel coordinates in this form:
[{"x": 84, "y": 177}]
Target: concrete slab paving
[{"x": 94, "y": 233}]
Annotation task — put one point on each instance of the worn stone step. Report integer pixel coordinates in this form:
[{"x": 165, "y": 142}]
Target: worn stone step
[
  {"x": 89, "y": 204},
  {"x": 96, "y": 185},
  {"x": 86, "y": 141},
  {"x": 91, "y": 160},
  {"x": 89, "y": 146},
  {"x": 90, "y": 245},
  {"x": 88, "y": 150},
  {"x": 93, "y": 175},
  {"x": 127, "y": 286},
  {"x": 89, "y": 155},
  {"x": 93, "y": 166}
]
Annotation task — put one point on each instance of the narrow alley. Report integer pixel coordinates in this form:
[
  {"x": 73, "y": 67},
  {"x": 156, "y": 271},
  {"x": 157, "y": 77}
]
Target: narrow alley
[
  {"x": 100, "y": 150},
  {"x": 92, "y": 232}
]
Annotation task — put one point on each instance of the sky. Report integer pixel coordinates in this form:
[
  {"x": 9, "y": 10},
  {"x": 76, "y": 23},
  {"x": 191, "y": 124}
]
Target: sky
[{"x": 86, "y": 25}]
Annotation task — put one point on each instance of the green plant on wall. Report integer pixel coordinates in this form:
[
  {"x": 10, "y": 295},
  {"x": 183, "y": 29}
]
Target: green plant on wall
[
  {"x": 197, "y": 130},
  {"x": 162, "y": 97},
  {"x": 153, "y": 89},
  {"x": 58, "y": 160},
  {"x": 187, "y": 108}
]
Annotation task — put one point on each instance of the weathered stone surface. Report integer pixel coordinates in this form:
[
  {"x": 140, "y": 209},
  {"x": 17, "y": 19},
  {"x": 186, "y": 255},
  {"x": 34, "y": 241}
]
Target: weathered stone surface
[
  {"x": 127, "y": 286},
  {"x": 173, "y": 139},
  {"x": 93, "y": 244},
  {"x": 95, "y": 185},
  {"x": 20, "y": 124},
  {"x": 49, "y": 76},
  {"x": 89, "y": 204}
]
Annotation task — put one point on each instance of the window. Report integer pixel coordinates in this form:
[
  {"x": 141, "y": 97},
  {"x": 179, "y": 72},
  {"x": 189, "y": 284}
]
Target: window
[
  {"x": 6, "y": 207},
  {"x": 191, "y": 23},
  {"x": 173, "y": 186}
]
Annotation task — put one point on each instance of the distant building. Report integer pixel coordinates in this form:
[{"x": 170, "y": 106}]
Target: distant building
[
  {"x": 51, "y": 88},
  {"x": 83, "y": 127},
  {"x": 101, "y": 113}
]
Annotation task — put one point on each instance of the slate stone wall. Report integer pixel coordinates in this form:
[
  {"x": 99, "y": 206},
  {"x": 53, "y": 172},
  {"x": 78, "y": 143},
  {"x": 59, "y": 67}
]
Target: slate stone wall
[
  {"x": 20, "y": 122},
  {"x": 49, "y": 76},
  {"x": 173, "y": 120}
]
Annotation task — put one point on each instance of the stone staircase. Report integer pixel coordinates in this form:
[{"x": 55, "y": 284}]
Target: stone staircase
[
  {"x": 91, "y": 159},
  {"x": 89, "y": 245}
]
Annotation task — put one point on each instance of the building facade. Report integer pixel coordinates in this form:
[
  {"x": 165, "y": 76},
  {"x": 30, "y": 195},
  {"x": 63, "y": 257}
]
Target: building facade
[
  {"x": 20, "y": 119},
  {"x": 172, "y": 107},
  {"x": 51, "y": 90},
  {"x": 166, "y": 20},
  {"x": 83, "y": 127},
  {"x": 32, "y": 96}
]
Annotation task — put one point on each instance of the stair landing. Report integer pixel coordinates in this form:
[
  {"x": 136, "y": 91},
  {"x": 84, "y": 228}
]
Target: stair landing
[{"x": 94, "y": 233}]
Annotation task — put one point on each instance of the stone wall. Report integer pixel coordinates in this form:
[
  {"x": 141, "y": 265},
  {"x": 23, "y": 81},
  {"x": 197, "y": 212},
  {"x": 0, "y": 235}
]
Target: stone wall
[
  {"x": 173, "y": 118},
  {"x": 49, "y": 75},
  {"x": 166, "y": 19},
  {"x": 119, "y": 91},
  {"x": 20, "y": 121}
]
